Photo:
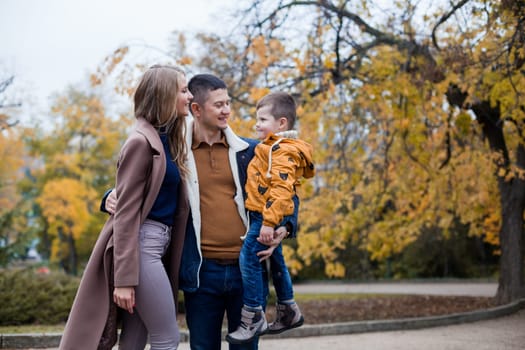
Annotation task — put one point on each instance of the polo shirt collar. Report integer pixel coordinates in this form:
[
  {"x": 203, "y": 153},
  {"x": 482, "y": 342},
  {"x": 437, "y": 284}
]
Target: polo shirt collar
[{"x": 196, "y": 143}]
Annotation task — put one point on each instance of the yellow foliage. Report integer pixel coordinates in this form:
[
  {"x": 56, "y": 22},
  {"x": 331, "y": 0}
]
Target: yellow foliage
[
  {"x": 491, "y": 226},
  {"x": 109, "y": 65},
  {"x": 300, "y": 65},
  {"x": 329, "y": 61},
  {"x": 12, "y": 155},
  {"x": 257, "y": 93},
  {"x": 294, "y": 265},
  {"x": 463, "y": 123},
  {"x": 185, "y": 61},
  {"x": 66, "y": 205},
  {"x": 336, "y": 270},
  {"x": 77, "y": 160}
]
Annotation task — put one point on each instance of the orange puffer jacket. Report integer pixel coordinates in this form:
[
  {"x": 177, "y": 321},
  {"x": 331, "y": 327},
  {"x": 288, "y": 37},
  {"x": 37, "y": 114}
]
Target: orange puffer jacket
[{"x": 280, "y": 161}]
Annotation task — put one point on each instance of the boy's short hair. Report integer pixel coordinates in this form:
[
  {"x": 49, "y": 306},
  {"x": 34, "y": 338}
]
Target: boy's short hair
[
  {"x": 201, "y": 84},
  {"x": 283, "y": 105}
]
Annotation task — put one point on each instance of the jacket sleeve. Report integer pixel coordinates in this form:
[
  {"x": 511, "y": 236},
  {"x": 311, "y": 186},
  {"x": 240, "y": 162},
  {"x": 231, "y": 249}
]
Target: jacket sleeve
[
  {"x": 133, "y": 171},
  {"x": 243, "y": 159},
  {"x": 280, "y": 200},
  {"x": 291, "y": 221}
]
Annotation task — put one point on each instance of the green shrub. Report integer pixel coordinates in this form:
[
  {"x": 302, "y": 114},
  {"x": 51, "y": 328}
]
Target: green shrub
[{"x": 29, "y": 297}]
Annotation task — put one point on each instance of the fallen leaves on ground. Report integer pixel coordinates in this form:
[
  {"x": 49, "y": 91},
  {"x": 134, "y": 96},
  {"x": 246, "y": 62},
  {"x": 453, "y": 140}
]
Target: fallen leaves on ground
[{"x": 386, "y": 307}]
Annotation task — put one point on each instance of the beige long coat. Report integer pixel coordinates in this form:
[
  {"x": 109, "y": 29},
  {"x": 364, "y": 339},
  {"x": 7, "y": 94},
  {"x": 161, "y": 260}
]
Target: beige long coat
[{"x": 115, "y": 257}]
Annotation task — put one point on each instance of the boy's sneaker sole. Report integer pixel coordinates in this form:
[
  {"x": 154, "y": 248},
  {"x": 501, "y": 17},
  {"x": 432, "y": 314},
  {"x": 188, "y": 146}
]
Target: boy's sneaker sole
[{"x": 279, "y": 331}]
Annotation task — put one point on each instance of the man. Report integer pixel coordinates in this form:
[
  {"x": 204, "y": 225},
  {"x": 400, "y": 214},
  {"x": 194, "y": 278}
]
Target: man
[{"x": 210, "y": 275}]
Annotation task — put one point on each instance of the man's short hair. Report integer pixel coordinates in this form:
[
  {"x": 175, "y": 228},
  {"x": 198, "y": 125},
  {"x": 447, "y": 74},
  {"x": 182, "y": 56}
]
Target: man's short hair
[{"x": 201, "y": 84}]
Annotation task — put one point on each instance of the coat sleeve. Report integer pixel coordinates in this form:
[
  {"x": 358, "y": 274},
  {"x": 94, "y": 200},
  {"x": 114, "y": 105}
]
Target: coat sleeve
[{"x": 133, "y": 171}]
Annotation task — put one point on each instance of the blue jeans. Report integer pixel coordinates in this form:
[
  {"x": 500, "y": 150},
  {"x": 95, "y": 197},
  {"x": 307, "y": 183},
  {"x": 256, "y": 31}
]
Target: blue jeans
[
  {"x": 220, "y": 291},
  {"x": 255, "y": 282},
  {"x": 282, "y": 281}
]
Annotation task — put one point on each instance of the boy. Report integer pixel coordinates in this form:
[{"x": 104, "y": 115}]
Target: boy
[{"x": 280, "y": 161}]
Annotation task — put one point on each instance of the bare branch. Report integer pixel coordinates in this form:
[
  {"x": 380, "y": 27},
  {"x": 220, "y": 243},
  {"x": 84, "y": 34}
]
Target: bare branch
[
  {"x": 4, "y": 125},
  {"x": 4, "y": 84},
  {"x": 443, "y": 19}
]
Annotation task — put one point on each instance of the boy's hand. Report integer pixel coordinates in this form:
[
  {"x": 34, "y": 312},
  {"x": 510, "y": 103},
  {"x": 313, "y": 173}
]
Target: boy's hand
[{"x": 266, "y": 234}]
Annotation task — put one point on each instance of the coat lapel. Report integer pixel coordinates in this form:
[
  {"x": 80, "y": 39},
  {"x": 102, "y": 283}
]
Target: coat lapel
[{"x": 158, "y": 166}]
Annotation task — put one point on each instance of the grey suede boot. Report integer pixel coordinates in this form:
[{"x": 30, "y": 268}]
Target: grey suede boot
[
  {"x": 253, "y": 323},
  {"x": 288, "y": 316}
]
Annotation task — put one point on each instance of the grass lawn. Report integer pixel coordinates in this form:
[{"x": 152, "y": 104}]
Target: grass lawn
[{"x": 31, "y": 329}]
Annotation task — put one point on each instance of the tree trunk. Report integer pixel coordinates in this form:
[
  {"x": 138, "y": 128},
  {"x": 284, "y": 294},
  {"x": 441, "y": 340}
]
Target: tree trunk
[
  {"x": 73, "y": 259},
  {"x": 510, "y": 285},
  {"x": 512, "y": 198}
]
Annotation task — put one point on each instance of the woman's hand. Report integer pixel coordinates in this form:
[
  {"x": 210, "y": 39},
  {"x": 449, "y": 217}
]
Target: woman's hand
[
  {"x": 265, "y": 254},
  {"x": 111, "y": 202},
  {"x": 124, "y": 297}
]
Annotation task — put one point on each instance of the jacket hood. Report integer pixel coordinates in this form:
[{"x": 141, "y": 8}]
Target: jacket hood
[{"x": 291, "y": 137}]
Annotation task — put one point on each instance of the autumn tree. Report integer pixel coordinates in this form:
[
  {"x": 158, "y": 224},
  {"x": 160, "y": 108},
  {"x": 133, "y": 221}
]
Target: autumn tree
[
  {"x": 399, "y": 88},
  {"x": 12, "y": 223},
  {"x": 77, "y": 152},
  {"x": 13, "y": 238},
  {"x": 66, "y": 205}
]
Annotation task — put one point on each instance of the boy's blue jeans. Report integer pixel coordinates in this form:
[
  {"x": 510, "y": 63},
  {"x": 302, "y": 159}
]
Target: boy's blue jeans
[{"x": 254, "y": 280}]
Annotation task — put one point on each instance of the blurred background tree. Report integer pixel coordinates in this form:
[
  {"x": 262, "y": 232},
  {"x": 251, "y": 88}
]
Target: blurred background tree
[
  {"x": 14, "y": 238},
  {"x": 77, "y": 153}
]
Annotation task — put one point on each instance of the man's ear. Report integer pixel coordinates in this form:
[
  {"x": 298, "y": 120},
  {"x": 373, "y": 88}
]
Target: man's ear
[{"x": 195, "y": 109}]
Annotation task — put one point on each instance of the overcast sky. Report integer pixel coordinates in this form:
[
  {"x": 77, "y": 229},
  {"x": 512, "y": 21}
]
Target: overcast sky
[{"x": 49, "y": 44}]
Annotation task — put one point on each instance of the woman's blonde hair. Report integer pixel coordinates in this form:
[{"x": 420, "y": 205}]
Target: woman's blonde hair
[{"x": 156, "y": 101}]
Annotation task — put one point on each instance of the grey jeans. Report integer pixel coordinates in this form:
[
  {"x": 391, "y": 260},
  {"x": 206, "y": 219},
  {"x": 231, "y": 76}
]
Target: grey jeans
[{"x": 155, "y": 314}]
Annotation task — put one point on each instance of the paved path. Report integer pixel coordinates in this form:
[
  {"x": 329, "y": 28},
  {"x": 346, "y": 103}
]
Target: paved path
[
  {"x": 504, "y": 333},
  {"x": 482, "y": 289}
]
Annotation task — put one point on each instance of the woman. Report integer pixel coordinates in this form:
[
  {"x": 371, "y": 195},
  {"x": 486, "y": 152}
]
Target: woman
[{"x": 126, "y": 266}]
